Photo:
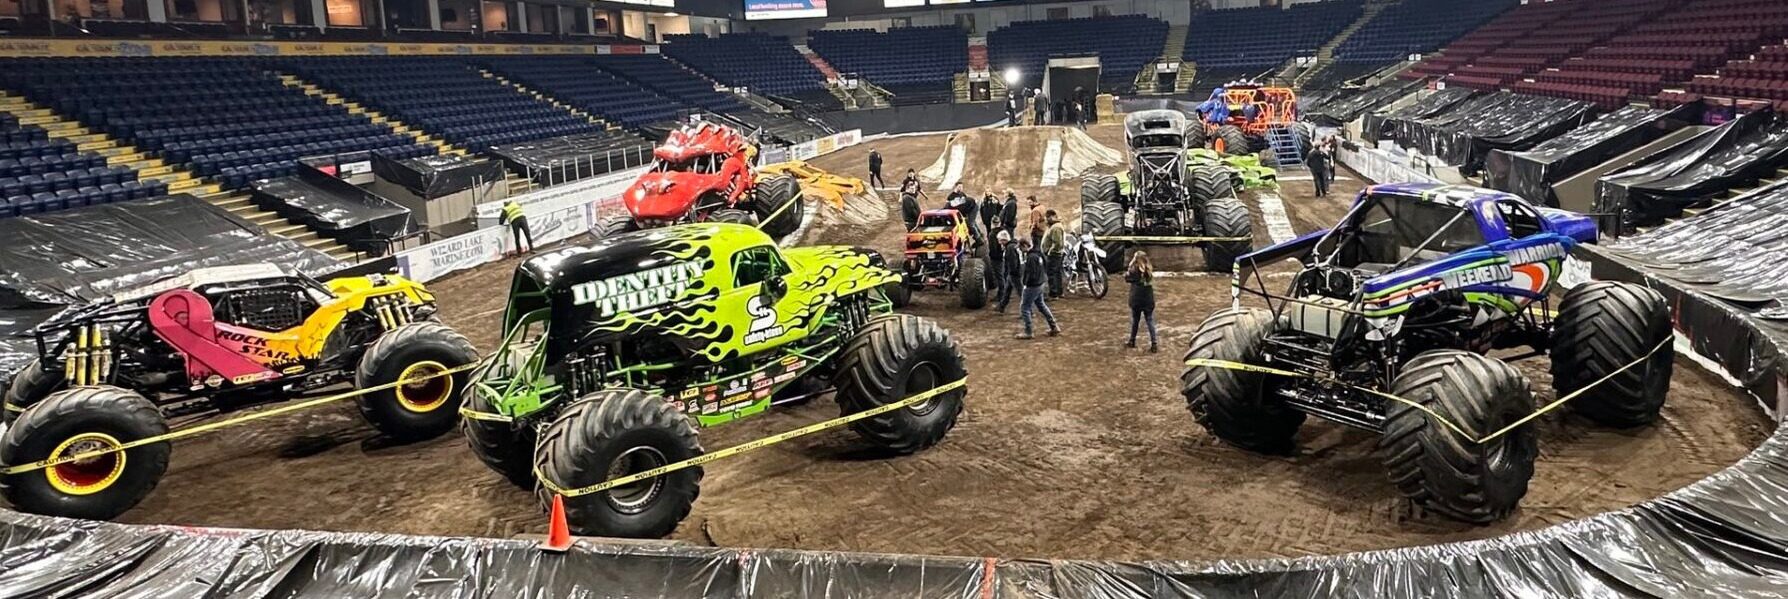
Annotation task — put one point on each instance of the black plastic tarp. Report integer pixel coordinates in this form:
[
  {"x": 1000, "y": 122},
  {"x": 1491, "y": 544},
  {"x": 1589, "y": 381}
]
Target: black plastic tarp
[
  {"x": 1340, "y": 110},
  {"x": 73, "y": 256},
  {"x": 556, "y": 159},
  {"x": 1382, "y": 126},
  {"x": 1429, "y": 134},
  {"x": 1532, "y": 173},
  {"x": 1735, "y": 154},
  {"x": 336, "y": 209},
  {"x": 1516, "y": 122},
  {"x": 430, "y": 177}
]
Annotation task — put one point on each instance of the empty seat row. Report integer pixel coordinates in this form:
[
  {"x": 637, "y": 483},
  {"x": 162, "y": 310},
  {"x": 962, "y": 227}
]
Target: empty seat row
[
  {"x": 920, "y": 60},
  {"x": 1123, "y": 44},
  {"x": 69, "y": 178},
  {"x": 764, "y": 63},
  {"x": 1266, "y": 36},
  {"x": 110, "y": 193}
]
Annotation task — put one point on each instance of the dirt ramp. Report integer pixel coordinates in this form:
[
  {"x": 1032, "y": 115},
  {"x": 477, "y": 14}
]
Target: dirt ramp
[{"x": 993, "y": 159}]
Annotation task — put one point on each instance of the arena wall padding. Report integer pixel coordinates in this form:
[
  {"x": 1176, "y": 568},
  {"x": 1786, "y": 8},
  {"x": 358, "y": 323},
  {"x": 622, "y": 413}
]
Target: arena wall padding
[{"x": 1531, "y": 173}]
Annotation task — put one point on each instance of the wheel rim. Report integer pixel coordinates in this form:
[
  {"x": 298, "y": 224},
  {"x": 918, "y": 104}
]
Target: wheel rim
[
  {"x": 924, "y": 377},
  {"x": 428, "y": 394},
  {"x": 88, "y": 475},
  {"x": 635, "y": 497}
]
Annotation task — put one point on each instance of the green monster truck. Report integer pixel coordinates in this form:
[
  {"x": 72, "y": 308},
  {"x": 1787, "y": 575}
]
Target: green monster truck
[{"x": 616, "y": 351}]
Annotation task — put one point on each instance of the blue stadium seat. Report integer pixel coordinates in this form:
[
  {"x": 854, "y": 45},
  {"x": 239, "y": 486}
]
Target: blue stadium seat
[
  {"x": 1122, "y": 43},
  {"x": 766, "y": 64}
]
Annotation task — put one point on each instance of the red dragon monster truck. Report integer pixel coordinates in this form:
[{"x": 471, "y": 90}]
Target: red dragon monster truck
[{"x": 703, "y": 173}]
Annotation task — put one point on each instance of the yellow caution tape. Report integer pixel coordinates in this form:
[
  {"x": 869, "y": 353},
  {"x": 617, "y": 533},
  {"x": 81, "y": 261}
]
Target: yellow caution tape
[
  {"x": 746, "y": 446},
  {"x": 212, "y": 426},
  {"x": 1169, "y": 239},
  {"x": 1225, "y": 364}
]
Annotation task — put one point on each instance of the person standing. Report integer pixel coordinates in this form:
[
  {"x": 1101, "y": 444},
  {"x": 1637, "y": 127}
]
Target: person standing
[
  {"x": 1011, "y": 271},
  {"x": 1031, "y": 299},
  {"x": 1038, "y": 222},
  {"x": 990, "y": 213},
  {"x": 1042, "y": 107},
  {"x": 965, "y": 208},
  {"x": 910, "y": 192},
  {"x": 1319, "y": 168},
  {"x": 910, "y": 184},
  {"x": 1334, "y": 158},
  {"x": 875, "y": 169},
  {"x": 1055, "y": 249},
  {"x": 1141, "y": 276},
  {"x": 1009, "y": 214},
  {"x": 518, "y": 226}
]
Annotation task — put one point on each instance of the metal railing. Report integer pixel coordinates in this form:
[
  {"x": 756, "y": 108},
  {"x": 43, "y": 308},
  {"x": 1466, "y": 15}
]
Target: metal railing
[{"x": 577, "y": 168}]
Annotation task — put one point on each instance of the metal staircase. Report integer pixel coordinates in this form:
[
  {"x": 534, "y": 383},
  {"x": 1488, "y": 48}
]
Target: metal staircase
[{"x": 1285, "y": 145}]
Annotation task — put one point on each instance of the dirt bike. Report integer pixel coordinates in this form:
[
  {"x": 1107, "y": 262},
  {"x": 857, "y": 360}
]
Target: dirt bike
[{"x": 1084, "y": 264}]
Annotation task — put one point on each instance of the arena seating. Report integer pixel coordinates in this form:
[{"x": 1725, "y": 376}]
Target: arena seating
[
  {"x": 760, "y": 62},
  {"x": 669, "y": 79},
  {"x": 1265, "y": 37},
  {"x": 39, "y": 174},
  {"x": 1416, "y": 26},
  {"x": 576, "y": 80},
  {"x": 916, "y": 64},
  {"x": 443, "y": 96},
  {"x": 223, "y": 118},
  {"x": 1123, "y": 43}
]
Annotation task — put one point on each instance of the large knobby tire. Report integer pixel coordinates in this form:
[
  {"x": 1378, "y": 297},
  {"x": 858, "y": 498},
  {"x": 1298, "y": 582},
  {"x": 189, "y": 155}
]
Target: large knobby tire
[
  {"x": 1437, "y": 468},
  {"x": 894, "y": 357},
  {"x": 898, "y": 293},
  {"x": 1226, "y": 217},
  {"x": 1196, "y": 134},
  {"x": 1235, "y": 141},
  {"x": 614, "y": 433},
  {"x": 612, "y": 225},
  {"x": 1601, "y": 328},
  {"x": 31, "y": 385},
  {"x": 423, "y": 409},
  {"x": 507, "y": 448},
  {"x": 1238, "y": 406},
  {"x": 74, "y": 421},
  {"x": 1105, "y": 220},
  {"x": 971, "y": 287},
  {"x": 1212, "y": 181},
  {"x": 733, "y": 216},
  {"x": 773, "y": 194},
  {"x": 1098, "y": 188}
]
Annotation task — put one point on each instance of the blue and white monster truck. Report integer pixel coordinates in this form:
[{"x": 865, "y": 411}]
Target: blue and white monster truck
[{"x": 1405, "y": 297}]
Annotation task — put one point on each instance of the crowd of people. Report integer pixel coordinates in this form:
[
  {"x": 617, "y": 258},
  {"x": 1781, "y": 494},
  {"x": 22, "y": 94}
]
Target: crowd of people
[{"x": 1028, "y": 263}]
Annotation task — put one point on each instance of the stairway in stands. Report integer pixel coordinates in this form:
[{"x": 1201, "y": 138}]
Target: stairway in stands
[
  {"x": 1172, "y": 50},
  {"x": 546, "y": 98},
  {"x": 825, "y": 68},
  {"x": 179, "y": 180},
  {"x": 312, "y": 89},
  {"x": 1325, "y": 55}
]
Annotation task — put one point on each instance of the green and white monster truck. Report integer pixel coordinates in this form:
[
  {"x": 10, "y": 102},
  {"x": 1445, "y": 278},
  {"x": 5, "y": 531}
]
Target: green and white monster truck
[{"x": 615, "y": 352}]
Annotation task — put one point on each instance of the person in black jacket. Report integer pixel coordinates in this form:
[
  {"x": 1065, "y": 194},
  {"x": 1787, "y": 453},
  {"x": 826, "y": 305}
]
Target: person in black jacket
[
  {"x": 990, "y": 213},
  {"x": 965, "y": 208},
  {"x": 1009, "y": 214},
  {"x": 1007, "y": 268},
  {"x": 1319, "y": 168},
  {"x": 1033, "y": 277},
  {"x": 875, "y": 169},
  {"x": 1141, "y": 276}
]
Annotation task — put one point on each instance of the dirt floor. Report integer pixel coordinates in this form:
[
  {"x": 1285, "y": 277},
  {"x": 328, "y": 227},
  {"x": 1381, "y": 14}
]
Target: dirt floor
[{"x": 1071, "y": 447}]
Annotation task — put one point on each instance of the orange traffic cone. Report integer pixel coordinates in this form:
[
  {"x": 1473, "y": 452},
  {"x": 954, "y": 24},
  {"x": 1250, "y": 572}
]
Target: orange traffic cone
[{"x": 558, "y": 532}]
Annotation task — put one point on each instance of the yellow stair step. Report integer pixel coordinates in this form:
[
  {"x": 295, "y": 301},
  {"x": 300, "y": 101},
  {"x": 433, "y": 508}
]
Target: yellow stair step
[
  {"x": 286, "y": 230},
  {"x": 146, "y": 170},
  {"x": 230, "y": 202},
  {"x": 120, "y": 158},
  {"x": 30, "y": 113},
  {"x": 94, "y": 146},
  {"x": 187, "y": 185}
]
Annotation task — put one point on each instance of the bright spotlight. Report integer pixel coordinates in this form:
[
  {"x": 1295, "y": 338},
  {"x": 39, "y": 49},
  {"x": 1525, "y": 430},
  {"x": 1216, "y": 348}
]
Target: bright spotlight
[{"x": 1011, "y": 76}]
